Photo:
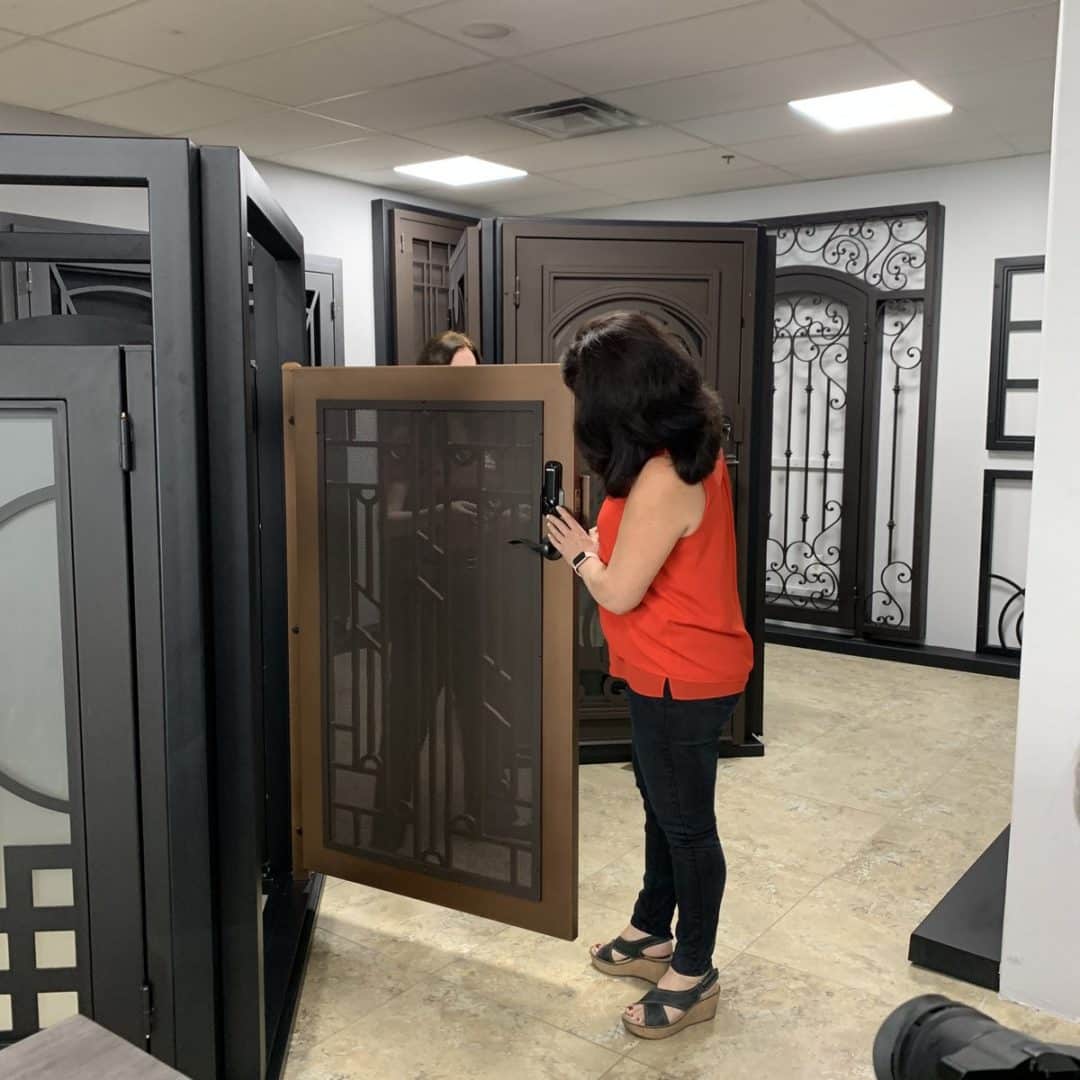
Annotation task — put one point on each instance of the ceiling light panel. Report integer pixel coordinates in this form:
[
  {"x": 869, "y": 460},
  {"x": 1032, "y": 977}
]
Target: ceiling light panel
[
  {"x": 873, "y": 106},
  {"x": 460, "y": 171}
]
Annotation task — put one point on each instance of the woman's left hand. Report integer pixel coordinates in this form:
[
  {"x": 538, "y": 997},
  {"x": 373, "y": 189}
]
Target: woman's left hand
[{"x": 568, "y": 537}]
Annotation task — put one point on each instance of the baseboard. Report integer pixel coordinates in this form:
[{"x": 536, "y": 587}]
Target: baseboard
[
  {"x": 961, "y": 937},
  {"x": 926, "y": 655}
]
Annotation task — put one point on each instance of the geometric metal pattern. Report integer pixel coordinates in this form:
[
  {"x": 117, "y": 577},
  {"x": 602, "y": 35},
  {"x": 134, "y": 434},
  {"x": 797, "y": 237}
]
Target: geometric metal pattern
[
  {"x": 433, "y": 719},
  {"x": 33, "y": 987}
]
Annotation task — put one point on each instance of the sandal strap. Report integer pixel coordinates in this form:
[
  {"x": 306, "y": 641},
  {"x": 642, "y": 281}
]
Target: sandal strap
[
  {"x": 654, "y": 1001},
  {"x": 631, "y": 950}
]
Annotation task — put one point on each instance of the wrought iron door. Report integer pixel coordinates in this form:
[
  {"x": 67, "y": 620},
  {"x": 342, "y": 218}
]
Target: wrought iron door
[
  {"x": 434, "y": 741},
  {"x": 71, "y": 909},
  {"x": 700, "y": 281},
  {"x": 820, "y": 336},
  {"x": 861, "y": 563}
]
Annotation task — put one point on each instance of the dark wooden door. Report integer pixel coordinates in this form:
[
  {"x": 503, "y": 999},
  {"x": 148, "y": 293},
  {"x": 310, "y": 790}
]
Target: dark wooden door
[
  {"x": 703, "y": 283},
  {"x": 427, "y": 279},
  {"x": 434, "y": 740}
]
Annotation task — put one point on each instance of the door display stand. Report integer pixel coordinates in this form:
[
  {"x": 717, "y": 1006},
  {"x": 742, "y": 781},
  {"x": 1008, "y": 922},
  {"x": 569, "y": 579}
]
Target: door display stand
[{"x": 198, "y": 448}]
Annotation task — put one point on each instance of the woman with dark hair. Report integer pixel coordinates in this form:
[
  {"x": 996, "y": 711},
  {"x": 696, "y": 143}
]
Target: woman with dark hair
[
  {"x": 449, "y": 349},
  {"x": 661, "y": 565}
]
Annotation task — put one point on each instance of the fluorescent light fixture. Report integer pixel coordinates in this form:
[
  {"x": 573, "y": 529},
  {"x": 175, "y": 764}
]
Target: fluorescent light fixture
[
  {"x": 873, "y": 106},
  {"x": 459, "y": 171}
]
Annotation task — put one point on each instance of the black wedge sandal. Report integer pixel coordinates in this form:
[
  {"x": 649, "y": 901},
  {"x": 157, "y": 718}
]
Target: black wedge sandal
[
  {"x": 697, "y": 1004},
  {"x": 634, "y": 962}
]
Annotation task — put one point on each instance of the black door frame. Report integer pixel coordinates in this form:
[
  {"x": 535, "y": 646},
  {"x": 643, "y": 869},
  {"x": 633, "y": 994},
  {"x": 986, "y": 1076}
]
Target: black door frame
[
  {"x": 329, "y": 266},
  {"x": 170, "y": 584}
]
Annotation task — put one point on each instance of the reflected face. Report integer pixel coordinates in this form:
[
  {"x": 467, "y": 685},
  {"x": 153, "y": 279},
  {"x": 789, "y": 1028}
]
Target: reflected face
[{"x": 463, "y": 358}]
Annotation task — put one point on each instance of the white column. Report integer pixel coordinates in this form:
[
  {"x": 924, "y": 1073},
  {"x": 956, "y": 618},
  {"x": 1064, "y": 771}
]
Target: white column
[{"x": 1040, "y": 963}]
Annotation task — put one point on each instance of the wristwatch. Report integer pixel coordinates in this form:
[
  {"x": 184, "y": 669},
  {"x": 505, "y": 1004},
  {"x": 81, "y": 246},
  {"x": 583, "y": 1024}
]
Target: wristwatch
[{"x": 578, "y": 561}]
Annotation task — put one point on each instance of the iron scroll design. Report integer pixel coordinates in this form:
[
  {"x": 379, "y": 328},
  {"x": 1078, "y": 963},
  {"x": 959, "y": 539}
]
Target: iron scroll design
[
  {"x": 887, "y": 253},
  {"x": 811, "y": 339},
  {"x": 1000, "y": 623}
]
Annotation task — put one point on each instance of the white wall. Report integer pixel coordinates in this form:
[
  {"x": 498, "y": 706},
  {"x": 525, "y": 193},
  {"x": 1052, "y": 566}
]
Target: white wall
[
  {"x": 1041, "y": 947},
  {"x": 335, "y": 218},
  {"x": 992, "y": 209}
]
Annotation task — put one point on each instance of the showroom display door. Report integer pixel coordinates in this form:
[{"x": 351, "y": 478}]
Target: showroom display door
[
  {"x": 706, "y": 284},
  {"x": 71, "y": 875},
  {"x": 434, "y": 736}
]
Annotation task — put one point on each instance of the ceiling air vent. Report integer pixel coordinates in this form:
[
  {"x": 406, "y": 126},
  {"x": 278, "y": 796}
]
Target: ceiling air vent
[{"x": 572, "y": 118}]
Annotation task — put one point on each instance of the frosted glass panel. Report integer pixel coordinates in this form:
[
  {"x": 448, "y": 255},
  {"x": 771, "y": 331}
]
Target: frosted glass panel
[
  {"x": 1027, "y": 297},
  {"x": 54, "y": 949},
  {"x": 56, "y": 1006}
]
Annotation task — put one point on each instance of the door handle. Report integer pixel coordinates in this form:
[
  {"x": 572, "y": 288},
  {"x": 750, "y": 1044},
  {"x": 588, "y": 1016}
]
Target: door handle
[{"x": 551, "y": 498}]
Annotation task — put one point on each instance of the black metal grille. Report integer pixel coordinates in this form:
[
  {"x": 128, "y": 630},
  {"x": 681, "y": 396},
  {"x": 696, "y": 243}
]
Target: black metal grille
[
  {"x": 433, "y": 670},
  {"x": 1002, "y": 562}
]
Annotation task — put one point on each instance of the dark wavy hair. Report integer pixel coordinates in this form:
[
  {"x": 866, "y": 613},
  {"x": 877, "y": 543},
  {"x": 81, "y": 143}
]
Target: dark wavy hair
[
  {"x": 439, "y": 350},
  {"x": 639, "y": 394}
]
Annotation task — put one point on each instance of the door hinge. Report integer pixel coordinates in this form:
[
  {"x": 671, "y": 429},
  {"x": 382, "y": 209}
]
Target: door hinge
[
  {"x": 147, "y": 992},
  {"x": 127, "y": 443},
  {"x": 517, "y": 291},
  {"x": 333, "y": 310},
  {"x": 401, "y": 241}
]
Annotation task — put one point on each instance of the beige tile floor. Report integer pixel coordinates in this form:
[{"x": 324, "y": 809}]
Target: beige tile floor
[{"x": 881, "y": 784}]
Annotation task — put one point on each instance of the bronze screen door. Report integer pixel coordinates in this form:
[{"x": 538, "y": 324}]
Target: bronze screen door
[{"x": 433, "y": 728}]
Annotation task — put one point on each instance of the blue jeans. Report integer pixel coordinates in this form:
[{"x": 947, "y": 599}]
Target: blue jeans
[{"x": 675, "y": 747}]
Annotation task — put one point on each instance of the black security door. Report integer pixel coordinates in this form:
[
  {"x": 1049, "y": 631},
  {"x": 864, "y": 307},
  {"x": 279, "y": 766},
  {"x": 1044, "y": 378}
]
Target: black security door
[{"x": 71, "y": 909}]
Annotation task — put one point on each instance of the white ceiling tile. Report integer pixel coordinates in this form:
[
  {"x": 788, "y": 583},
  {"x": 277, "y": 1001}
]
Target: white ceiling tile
[
  {"x": 980, "y": 45},
  {"x": 773, "y": 82},
  {"x": 279, "y": 132},
  {"x": 951, "y": 152},
  {"x": 46, "y": 76},
  {"x": 554, "y": 23},
  {"x": 479, "y": 135},
  {"x": 184, "y": 37},
  {"x": 878, "y": 18},
  {"x": 43, "y": 16},
  {"x": 169, "y": 107},
  {"x": 522, "y": 187},
  {"x": 493, "y": 88},
  {"x": 749, "y": 125},
  {"x": 381, "y": 54},
  {"x": 743, "y": 35},
  {"x": 15, "y": 120},
  {"x": 1033, "y": 81},
  {"x": 400, "y": 7},
  {"x": 1029, "y": 142},
  {"x": 7, "y": 38},
  {"x": 822, "y": 145},
  {"x": 676, "y": 174},
  {"x": 559, "y": 202},
  {"x": 615, "y": 146},
  {"x": 361, "y": 155},
  {"x": 647, "y": 188}
]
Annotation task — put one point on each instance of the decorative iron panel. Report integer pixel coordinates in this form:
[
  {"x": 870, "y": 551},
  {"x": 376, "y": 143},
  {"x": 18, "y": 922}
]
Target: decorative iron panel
[
  {"x": 850, "y": 495},
  {"x": 1006, "y": 514},
  {"x": 432, "y": 732}
]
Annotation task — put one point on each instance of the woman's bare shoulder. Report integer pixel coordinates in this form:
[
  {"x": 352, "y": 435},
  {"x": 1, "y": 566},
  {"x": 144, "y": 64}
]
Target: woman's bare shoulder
[{"x": 658, "y": 482}]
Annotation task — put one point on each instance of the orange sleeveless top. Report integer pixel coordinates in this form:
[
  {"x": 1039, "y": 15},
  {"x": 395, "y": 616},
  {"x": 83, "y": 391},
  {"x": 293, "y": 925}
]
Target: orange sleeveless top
[{"x": 688, "y": 629}]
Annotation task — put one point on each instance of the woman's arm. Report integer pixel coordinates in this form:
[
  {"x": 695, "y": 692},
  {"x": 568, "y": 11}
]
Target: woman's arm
[{"x": 659, "y": 511}]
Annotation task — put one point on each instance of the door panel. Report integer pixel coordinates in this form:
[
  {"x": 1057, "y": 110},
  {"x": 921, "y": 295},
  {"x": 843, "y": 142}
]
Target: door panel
[
  {"x": 433, "y": 733},
  {"x": 424, "y": 247},
  {"x": 71, "y": 909},
  {"x": 323, "y": 314},
  {"x": 700, "y": 281},
  {"x": 820, "y": 332}
]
